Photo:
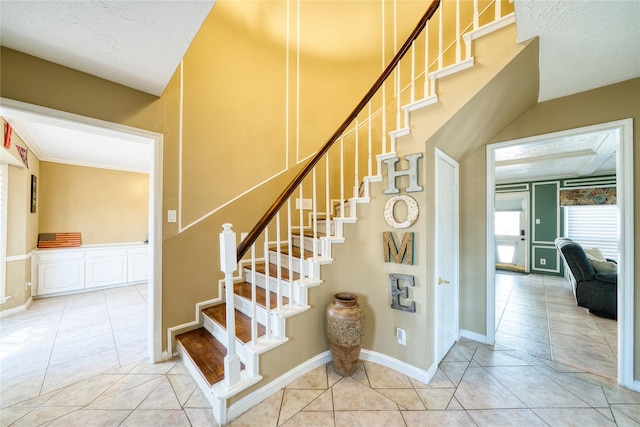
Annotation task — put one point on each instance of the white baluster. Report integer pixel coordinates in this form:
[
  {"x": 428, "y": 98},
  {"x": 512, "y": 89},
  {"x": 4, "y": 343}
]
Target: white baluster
[
  {"x": 341, "y": 176},
  {"x": 267, "y": 300},
  {"x": 327, "y": 196},
  {"x": 370, "y": 154},
  {"x": 254, "y": 317},
  {"x": 278, "y": 264},
  {"x": 498, "y": 10},
  {"x": 356, "y": 174},
  {"x": 229, "y": 265},
  {"x": 458, "y": 35},
  {"x": 440, "y": 35},
  {"x": 427, "y": 92},
  {"x": 413, "y": 72},
  {"x": 315, "y": 218},
  {"x": 301, "y": 227},
  {"x": 476, "y": 15},
  {"x": 290, "y": 243}
]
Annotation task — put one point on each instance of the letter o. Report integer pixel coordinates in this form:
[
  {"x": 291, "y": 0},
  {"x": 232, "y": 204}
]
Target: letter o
[{"x": 412, "y": 211}]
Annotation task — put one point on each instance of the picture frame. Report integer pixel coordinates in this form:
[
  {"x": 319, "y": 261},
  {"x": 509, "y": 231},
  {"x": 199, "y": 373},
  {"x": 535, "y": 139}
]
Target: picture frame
[{"x": 34, "y": 193}]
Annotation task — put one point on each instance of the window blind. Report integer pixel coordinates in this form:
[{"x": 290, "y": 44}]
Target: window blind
[{"x": 594, "y": 226}]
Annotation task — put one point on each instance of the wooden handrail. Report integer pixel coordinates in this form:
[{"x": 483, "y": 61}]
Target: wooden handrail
[{"x": 255, "y": 232}]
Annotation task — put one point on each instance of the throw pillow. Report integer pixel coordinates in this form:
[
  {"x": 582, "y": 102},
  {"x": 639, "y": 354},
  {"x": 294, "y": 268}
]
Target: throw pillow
[
  {"x": 604, "y": 266},
  {"x": 595, "y": 252}
]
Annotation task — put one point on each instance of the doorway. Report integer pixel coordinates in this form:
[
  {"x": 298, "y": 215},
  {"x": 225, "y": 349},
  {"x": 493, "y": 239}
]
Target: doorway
[
  {"x": 154, "y": 140},
  {"x": 624, "y": 181},
  {"x": 511, "y": 231},
  {"x": 447, "y": 255}
]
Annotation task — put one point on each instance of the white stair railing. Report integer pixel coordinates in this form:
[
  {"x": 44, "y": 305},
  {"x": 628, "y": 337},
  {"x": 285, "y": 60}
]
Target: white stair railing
[{"x": 375, "y": 127}]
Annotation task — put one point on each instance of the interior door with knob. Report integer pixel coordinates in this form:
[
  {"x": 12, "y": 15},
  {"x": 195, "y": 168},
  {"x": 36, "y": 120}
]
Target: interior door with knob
[
  {"x": 512, "y": 231},
  {"x": 446, "y": 253}
]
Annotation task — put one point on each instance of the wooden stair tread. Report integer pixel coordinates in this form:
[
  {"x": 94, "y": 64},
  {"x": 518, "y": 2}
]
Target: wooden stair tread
[
  {"x": 284, "y": 250},
  {"x": 244, "y": 290},
  {"x": 273, "y": 271},
  {"x": 308, "y": 233},
  {"x": 206, "y": 352},
  {"x": 243, "y": 322}
]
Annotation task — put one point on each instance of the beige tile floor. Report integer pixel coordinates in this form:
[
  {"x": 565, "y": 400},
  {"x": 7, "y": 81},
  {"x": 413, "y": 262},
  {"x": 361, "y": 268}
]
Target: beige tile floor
[{"x": 85, "y": 366}]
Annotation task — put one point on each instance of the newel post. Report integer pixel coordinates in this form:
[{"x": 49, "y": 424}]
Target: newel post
[{"x": 228, "y": 264}]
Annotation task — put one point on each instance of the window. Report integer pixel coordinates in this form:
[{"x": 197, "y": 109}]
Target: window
[
  {"x": 3, "y": 230},
  {"x": 507, "y": 223},
  {"x": 594, "y": 226}
]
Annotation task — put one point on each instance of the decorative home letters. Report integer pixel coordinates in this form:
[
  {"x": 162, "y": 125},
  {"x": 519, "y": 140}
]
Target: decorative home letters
[
  {"x": 396, "y": 292},
  {"x": 412, "y": 211},
  {"x": 404, "y": 255},
  {"x": 412, "y": 173}
]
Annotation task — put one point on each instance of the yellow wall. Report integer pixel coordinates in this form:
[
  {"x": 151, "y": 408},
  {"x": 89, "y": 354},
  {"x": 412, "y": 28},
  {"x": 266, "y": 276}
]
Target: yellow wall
[
  {"x": 22, "y": 225},
  {"x": 105, "y": 206}
]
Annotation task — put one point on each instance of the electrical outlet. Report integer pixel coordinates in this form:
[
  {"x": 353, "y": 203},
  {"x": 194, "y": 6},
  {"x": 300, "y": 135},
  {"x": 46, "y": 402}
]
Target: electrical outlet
[
  {"x": 401, "y": 334},
  {"x": 171, "y": 216},
  {"x": 543, "y": 261}
]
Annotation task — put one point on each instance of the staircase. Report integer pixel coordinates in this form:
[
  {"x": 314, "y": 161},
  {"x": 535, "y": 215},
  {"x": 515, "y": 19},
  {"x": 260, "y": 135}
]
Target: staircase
[{"x": 269, "y": 274}]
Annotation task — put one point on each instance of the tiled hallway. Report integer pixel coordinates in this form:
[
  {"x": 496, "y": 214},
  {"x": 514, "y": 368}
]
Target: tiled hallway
[{"x": 86, "y": 367}]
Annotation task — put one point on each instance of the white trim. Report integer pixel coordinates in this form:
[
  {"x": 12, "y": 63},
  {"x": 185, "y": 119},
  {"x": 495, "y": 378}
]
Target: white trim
[
  {"x": 534, "y": 248},
  {"x": 474, "y": 336},
  {"x": 4, "y": 191},
  {"x": 626, "y": 268},
  {"x": 626, "y": 273},
  {"x": 400, "y": 366},
  {"x": 18, "y": 309},
  {"x": 252, "y": 399},
  {"x": 155, "y": 200},
  {"x": 442, "y": 157},
  {"x": 490, "y": 289}
]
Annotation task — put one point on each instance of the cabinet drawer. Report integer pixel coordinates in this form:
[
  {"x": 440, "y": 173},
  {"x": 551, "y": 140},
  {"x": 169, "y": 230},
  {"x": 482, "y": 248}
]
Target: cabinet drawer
[
  {"x": 60, "y": 255},
  {"x": 60, "y": 277}
]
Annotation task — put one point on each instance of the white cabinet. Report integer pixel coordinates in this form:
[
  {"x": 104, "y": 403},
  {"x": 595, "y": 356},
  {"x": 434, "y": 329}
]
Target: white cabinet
[
  {"x": 60, "y": 271},
  {"x": 106, "y": 267},
  {"x": 71, "y": 270},
  {"x": 138, "y": 267}
]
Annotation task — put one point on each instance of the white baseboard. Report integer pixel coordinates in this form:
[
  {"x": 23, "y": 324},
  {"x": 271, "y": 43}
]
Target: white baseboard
[
  {"x": 264, "y": 392},
  {"x": 474, "y": 336},
  {"x": 17, "y": 309}
]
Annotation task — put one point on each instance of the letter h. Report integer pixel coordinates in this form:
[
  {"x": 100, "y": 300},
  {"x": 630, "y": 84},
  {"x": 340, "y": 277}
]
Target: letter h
[{"x": 412, "y": 173}]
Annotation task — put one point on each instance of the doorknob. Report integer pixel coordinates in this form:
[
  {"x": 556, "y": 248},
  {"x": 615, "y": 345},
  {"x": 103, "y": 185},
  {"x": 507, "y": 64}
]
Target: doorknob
[{"x": 441, "y": 281}]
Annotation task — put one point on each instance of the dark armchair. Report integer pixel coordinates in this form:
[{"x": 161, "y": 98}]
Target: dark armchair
[{"x": 596, "y": 291}]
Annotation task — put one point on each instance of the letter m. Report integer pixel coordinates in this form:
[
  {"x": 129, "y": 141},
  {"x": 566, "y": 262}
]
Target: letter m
[{"x": 404, "y": 255}]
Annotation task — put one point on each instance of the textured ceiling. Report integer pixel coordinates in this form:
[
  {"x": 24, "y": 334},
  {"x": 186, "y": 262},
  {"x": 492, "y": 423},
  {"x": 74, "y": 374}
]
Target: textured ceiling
[
  {"x": 135, "y": 43},
  {"x": 584, "y": 44}
]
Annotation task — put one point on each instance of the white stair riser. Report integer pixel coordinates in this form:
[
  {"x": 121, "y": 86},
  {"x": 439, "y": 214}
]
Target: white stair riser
[
  {"x": 261, "y": 282},
  {"x": 308, "y": 244},
  {"x": 284, "y": 261}
]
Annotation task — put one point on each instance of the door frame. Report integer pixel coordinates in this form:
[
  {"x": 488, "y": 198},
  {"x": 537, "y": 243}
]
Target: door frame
[
  {"x": 154, "y": 330},
  {"x": 526, "y": 196},
  {"x": 624, "y": 183},
  {"x": 441, "y": 156}
]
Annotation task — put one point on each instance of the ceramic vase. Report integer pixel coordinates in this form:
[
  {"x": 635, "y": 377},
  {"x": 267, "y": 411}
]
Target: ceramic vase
[{"x": 345, "y": 329}]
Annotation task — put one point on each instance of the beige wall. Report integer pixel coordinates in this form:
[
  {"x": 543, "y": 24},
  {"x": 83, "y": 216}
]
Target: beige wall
[
  {"x": 607, "y": 104},
  {"x": 105, "y": 206},
  {"x": 22, "y": 225}
]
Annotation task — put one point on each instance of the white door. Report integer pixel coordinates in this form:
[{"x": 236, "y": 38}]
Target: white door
[
  {"x": 512, "y": 230},
  {"x": 446, "y": 254}
]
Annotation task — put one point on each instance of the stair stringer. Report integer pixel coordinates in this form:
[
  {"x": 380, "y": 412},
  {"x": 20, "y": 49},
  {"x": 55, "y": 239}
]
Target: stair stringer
[{"x": 303, "y": 286}]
